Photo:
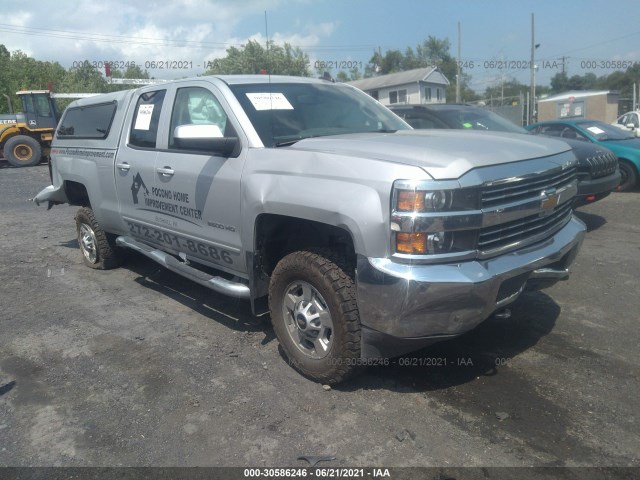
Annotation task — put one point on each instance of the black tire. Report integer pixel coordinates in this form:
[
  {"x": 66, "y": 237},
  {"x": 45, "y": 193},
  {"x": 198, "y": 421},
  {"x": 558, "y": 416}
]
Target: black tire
[
  {"x": 97, "y": 248},
  {"x": 22, "y": 151},
  {"x": 629, "y": 176},
  {"x": 330, "y": 291}
]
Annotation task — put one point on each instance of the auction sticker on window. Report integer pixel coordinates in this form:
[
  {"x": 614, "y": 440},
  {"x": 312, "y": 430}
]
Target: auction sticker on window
[
  {"x": 143, "y": 119},
  {"x": 269, "y": 101},
  {"x": 595, "y": 130}
]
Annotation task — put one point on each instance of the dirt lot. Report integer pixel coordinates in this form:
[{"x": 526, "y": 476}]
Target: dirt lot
[{"x": 137, "y": 366}]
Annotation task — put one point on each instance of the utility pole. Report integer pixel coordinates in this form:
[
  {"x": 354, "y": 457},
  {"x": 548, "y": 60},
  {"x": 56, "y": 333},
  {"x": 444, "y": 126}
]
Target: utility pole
[
  {"x": 563, "y": 58},
  {"x": 458, "y": 74},
  {"x": 532, "y": 89}
]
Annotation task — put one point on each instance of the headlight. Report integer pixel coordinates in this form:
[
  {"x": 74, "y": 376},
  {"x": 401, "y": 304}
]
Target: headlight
[
  {"x": 425, "y": 201},
  {"x": 438, "y": 221}
]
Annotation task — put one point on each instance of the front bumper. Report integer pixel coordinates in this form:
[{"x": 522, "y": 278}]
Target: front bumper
[
  {"x": 52, "y": 194},
  {"x": 404, "y": 307},
  {"x": 596, "y": 189}
]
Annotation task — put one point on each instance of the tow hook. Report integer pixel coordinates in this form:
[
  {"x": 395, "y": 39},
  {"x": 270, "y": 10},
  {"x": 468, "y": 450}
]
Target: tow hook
[{"x": 502, "y": 314}]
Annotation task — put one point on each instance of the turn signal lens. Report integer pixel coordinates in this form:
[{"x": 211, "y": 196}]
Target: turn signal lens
[
  {"x": 411, "y": 243},
  {"x": 410, "y": 201}
]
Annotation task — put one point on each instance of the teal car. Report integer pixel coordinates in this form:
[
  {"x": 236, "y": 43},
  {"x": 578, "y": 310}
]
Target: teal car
[{"x": 625, "y": 145}]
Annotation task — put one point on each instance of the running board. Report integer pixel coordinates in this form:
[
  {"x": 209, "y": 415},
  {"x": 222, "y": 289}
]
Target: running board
[{"x": 219, "y": 284}]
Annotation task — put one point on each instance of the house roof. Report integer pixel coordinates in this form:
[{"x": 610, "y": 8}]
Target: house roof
[
  {"x": 577, "y": 94},
  {"x": 401, "y": 78}
]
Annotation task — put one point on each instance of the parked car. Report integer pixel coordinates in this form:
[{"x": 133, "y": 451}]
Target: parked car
[
  {"x": 629, "y": 122},
  {"x": 363, "y": 238},
  {"x": 625, "y": 145},
  {"x": 598, "y": 173}
]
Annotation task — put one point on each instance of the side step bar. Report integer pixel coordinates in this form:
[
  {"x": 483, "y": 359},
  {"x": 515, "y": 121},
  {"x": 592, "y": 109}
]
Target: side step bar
[{"x": 219, "y": 284}]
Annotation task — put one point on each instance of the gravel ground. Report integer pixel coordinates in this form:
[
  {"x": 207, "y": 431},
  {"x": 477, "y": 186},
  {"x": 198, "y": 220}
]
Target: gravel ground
[{"x": 136, "y": 366}]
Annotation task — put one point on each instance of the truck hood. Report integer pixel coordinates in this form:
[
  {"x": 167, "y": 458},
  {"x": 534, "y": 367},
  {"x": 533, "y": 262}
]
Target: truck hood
[{"x": 443, "y": 154}]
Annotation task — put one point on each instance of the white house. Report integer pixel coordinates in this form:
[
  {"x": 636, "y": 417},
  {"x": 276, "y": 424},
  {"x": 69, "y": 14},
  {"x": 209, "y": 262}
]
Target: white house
[{"x": 422, "y": 85}]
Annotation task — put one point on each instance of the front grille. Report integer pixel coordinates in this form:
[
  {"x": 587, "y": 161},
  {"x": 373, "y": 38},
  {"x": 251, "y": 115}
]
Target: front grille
[
  {"x": 512, "y": 191},
  {"x": 528, "y": 228},
  {"x": 602, "y": 165}
]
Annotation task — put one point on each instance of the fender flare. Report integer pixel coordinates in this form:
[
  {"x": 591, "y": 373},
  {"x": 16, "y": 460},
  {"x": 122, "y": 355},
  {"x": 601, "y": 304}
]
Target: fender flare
[{"x": 7, "y": 132}]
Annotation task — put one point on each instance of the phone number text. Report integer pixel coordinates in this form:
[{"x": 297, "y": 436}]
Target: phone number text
[{"x": 176, "y": 242}]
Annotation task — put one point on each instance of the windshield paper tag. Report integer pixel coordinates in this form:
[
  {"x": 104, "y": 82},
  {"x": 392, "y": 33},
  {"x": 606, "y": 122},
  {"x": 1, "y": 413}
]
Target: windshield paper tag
[
  {"x": 262, "y": 101},
  {"x": 595, "y": 130},
  {"x": 143, "y": 119}
]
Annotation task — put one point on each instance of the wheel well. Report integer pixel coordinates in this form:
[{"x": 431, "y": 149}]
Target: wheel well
[
  {"x": 76, "y": 194},
  {"x": 279, "y": 235},
  {"x": 628, "y": 162}
]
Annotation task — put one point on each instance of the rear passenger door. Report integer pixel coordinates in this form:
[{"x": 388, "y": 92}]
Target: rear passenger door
[
  {"x": 203, "y": 222},
  {"x": 135, "y": 165}
]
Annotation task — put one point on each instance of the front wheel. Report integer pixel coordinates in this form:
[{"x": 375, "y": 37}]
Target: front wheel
[
  {"x": 628, "y": 176},
  {"x": 22, "y": 151},
  {"x": 315, "y": 316},
  {"x": 98, "y": 251}
]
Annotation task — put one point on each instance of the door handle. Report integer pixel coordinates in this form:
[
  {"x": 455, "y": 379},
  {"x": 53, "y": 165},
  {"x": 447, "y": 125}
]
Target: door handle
[
  {"x": 123, "y": 166},
  {"x": 165, "y": 171}
]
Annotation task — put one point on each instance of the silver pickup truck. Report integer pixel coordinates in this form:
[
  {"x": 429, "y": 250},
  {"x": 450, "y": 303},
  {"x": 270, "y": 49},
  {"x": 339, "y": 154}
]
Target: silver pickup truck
[{"x": 368, "y": 239}]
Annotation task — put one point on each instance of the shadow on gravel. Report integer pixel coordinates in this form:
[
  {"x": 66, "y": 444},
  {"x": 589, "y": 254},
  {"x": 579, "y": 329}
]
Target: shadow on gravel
[
  {"x": 479, "y": 353},
  {"x": 230, "y": 312},
  {"x": 73, "y": 244},
  {"x": 591, "y": 220},
  {"x": 6, "y": 388}
]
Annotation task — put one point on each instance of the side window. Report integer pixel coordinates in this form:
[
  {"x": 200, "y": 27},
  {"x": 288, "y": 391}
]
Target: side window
[
  {"x": 42, "y": 106},
  {"x": 93, "y": 121},
  {"x": 623, "y": 120},
  {"x": 144, "y": 129},
  {"x": 196, "y": 106},
  {"x": 552, "y": 130},
  {"x": 28, "y": 104},
  {"x": 634, "y": 120}
]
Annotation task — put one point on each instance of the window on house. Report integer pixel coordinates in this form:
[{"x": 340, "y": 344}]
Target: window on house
[
  {"x": 374, "y": 94},
  {"x": 427, "y": 94},
  {"x": 398, "y": 96},
  {"x": 438, "y": 94}
]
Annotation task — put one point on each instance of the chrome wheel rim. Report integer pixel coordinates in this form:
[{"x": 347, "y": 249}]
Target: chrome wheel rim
[
  {"x": 307, "y": 319},
  {"x": 87, "y": 240}
]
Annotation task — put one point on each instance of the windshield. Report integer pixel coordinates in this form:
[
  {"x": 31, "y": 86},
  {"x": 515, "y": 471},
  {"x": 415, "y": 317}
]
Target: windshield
[
  {"x": 283, "y": 113},
  {"x": 478, "y": 119},
  {"x": 603, "y": 131}
]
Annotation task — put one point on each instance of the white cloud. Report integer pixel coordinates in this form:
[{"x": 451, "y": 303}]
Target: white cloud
[{"x": 121, "y": 30}]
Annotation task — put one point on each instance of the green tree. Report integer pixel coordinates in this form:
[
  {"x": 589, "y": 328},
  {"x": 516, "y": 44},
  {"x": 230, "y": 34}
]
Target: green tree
[
  {"x": 252, "y": 58},
  {"x": 431, "y": 52}
]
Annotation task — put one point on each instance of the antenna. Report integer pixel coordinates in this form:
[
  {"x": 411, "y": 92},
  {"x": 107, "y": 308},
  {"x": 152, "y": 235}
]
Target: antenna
[{"x": 266, "y": 32}]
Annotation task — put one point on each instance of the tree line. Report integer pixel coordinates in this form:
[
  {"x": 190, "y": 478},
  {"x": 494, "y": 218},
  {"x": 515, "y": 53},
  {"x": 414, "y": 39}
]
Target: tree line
[{"x": 18, "y": 71}]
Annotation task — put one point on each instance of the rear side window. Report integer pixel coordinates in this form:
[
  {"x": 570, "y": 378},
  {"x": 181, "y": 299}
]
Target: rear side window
[
  {"x": 92, "y": 121},
  {"x": 146, "y": 118}
]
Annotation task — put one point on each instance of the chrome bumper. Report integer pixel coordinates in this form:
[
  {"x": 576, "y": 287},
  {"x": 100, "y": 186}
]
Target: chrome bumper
[{"x": 422, "y": 302}]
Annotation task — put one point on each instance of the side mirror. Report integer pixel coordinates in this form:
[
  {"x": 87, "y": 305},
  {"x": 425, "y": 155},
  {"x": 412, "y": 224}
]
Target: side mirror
[
  {"x": 631, "y": 126},
  {"x": 205, "y": 138}
]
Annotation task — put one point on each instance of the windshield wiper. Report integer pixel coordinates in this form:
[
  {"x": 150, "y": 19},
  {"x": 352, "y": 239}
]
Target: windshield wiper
[{"x": 288, "y": 143}]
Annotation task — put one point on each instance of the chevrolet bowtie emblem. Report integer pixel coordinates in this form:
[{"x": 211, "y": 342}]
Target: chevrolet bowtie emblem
[{"x": 550, "y": 199}]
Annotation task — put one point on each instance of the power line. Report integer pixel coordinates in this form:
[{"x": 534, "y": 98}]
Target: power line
[{"x": 150, "y": 41}]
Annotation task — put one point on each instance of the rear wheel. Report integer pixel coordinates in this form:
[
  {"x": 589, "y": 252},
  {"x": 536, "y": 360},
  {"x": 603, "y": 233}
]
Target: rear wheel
[
  {"x": 22, "y": 151},
  {"x": 628, "y": 175},
  {"x": 98, "y": 251},
  {"x": 315, "y": 315}
]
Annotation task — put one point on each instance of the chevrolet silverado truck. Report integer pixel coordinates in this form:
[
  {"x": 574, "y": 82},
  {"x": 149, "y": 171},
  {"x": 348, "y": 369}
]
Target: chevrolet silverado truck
[{"x": 364, "y": 239}]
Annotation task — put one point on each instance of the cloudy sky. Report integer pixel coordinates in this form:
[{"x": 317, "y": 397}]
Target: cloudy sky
[{"x": 591, "y": 35}]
